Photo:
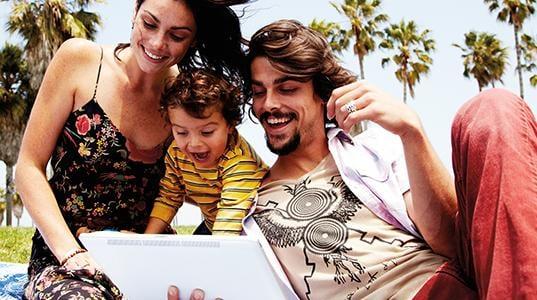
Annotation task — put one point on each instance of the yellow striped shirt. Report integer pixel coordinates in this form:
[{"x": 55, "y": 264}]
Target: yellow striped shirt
[{"x": 224, "y": 194}]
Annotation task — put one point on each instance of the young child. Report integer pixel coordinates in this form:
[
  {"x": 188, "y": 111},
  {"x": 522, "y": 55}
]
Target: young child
[{"x": 208, "y": 163}]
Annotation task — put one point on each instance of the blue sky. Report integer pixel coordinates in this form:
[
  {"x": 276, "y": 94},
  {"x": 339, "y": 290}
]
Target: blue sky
[{"x": 438, "y": 96}]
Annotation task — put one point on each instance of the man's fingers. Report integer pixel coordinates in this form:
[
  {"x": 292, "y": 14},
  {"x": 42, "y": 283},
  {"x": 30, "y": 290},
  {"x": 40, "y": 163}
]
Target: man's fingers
[
  {"x": 342, "y": 95},
  {"x": 346, "y": 88},
  {"x": 173, "y": 293},
  {"x": 197, "y": 294}
]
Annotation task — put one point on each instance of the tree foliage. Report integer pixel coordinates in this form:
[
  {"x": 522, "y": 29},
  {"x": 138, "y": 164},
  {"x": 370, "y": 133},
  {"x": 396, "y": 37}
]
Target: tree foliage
[
  {"x": 45, "y": 24},
  {"x": 411, "y": 55},
  {"x": 528, "y": 46},
  {"x": 337, "y": 38},
  {"x": 515, "y": 13},
  {"x": 365, "y": 20},
  {"x": 484, "y": 58}
]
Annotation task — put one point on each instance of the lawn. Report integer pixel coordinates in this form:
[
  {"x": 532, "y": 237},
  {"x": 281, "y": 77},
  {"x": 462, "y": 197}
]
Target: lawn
[{"x": 16, "y": 242}]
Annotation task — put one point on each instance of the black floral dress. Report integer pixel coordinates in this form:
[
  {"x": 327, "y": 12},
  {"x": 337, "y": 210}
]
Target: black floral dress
[{"x": 101, "y": 181}]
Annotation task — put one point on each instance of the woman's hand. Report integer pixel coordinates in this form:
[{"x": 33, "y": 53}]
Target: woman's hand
[{"x": 81, "y": 261}]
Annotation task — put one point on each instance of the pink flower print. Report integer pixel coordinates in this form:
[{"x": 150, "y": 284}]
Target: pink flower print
[
  {"x": 96, "y": 119},
  {"x": 82, "y": 124}
]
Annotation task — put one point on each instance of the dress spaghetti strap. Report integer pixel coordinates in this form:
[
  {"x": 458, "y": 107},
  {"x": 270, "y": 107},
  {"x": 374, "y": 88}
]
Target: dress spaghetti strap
[{"x": 98, "y": 75}]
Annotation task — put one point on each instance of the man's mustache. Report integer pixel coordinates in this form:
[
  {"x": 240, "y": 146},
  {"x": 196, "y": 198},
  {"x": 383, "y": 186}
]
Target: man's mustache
[{"x": 276, "y": 114}]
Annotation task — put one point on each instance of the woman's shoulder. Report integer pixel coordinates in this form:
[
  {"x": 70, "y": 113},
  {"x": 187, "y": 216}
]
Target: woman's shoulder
[{"x": 79, "y": 50}]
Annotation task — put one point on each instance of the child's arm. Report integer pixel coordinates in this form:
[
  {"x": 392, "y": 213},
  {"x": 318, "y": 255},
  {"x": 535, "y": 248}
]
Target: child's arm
[
  {"x": 240, "y": 180},
  {"x": 156, "y": 225},
  {"x": 171, "y": 195}
]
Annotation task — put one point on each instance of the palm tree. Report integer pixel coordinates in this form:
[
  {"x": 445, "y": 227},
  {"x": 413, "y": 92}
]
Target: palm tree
[
  {"x": 528, "y": 48},
  {"x": 411, "y": 56},
  {"x": 484, "y": 58},
  {"x": 2, "y": 204},
  {"x": 45, "y": 24},
  {"x": 365, "y": 20},
  {"x": 15, "y": 96},
  {"x": 337, "y": 38},
  {"x": 18, "y": 207},
  {"x": 514, "y": 12}
]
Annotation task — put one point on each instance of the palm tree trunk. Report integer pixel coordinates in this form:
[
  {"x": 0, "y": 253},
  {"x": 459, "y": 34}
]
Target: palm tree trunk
[
  {"x": 9, "y": 195},
  {"x": 404, "y": 90},
  {"x": 518, "y": 67},
  {"x": 362, "y": 72},
  {"x": 357, "y": 33}
]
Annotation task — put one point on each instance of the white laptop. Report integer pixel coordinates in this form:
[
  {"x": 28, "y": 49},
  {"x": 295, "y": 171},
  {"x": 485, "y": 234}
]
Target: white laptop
[{"x": 144, "y": 265}]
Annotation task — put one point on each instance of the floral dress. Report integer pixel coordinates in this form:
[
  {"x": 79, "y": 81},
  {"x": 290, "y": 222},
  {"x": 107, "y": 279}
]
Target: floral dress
[{"x": 101, "y": 181}]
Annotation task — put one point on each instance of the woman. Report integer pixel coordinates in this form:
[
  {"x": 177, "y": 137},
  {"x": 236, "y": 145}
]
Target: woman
[{"x": 97, "y": 115}]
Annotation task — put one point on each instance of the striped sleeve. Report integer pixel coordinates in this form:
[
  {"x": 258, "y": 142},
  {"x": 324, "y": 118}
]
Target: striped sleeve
[
  {"x": 241, "y": 177},
  {"x": 171, "y": 190}
]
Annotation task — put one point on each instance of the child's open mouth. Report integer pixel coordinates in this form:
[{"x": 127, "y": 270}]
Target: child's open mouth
[{"x": 201, "y": 156}]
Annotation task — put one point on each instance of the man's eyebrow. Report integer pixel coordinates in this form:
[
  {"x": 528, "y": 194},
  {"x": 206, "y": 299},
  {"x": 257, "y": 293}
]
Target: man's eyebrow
[
  {"x": 173, "y": 27},
  {"x": 288, "y": 78},
  {"x": 280, "y": 80}
]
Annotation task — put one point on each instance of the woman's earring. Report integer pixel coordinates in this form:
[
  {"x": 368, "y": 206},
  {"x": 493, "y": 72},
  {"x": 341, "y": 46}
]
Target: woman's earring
[{"x": 132, "y": 25}]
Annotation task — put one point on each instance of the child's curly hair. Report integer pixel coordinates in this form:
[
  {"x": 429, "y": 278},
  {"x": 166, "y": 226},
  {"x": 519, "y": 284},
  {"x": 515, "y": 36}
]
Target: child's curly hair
[{"x": 200, "y": 90}]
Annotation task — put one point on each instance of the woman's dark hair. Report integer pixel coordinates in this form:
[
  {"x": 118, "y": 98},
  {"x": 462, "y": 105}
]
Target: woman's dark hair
[
  {"x": 218, "y": 40},
  {"x": 201, "y": 90}
]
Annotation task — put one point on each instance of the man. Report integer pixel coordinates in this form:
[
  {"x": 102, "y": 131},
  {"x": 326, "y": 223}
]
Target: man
[{"x": 374, "y": 216}]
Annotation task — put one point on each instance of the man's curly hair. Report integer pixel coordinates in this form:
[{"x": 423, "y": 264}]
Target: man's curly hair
[{"x": 201, "y": 90}]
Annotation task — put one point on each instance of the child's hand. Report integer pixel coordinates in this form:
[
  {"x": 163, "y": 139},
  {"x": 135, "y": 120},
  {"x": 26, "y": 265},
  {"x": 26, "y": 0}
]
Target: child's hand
[{"x": 83, "y": 230}]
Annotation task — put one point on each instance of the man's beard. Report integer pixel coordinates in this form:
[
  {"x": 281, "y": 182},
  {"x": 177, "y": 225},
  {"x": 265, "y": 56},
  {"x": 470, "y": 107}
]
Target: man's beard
[{"x": 287, "y": 148}]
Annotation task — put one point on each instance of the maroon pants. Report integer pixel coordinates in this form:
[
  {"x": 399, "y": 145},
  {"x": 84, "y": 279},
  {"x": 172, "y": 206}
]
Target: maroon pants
[{"x": 494, "y": 139}]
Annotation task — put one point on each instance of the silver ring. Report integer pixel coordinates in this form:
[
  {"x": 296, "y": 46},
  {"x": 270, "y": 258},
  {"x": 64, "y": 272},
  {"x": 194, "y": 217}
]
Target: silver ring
[{"x": 350, "y": 107}]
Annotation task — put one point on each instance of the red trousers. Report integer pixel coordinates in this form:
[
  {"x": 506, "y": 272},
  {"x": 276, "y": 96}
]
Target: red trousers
[{"x": 494, "y": 140}]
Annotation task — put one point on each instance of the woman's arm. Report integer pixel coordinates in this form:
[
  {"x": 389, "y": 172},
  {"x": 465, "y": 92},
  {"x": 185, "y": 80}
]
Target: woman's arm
[{"x": 52, "y": 107}]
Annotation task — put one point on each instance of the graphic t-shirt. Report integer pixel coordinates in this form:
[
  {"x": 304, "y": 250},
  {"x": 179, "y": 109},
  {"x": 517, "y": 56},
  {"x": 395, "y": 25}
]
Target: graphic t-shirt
[{"x": 331, "y": 246}]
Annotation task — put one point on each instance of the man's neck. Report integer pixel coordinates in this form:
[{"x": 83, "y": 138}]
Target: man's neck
[{"x": 299, "y": 162}]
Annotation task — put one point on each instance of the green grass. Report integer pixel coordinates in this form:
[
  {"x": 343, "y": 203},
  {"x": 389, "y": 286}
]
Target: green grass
[
  {"x": 184, "y": 229},
  {"x": 16, "y": 242}
]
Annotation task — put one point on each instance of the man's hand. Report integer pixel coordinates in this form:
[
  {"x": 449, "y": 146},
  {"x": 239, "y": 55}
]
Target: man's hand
[
  {"x": 197, "y": 294},
  {"x": 361, "y": 101}
]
